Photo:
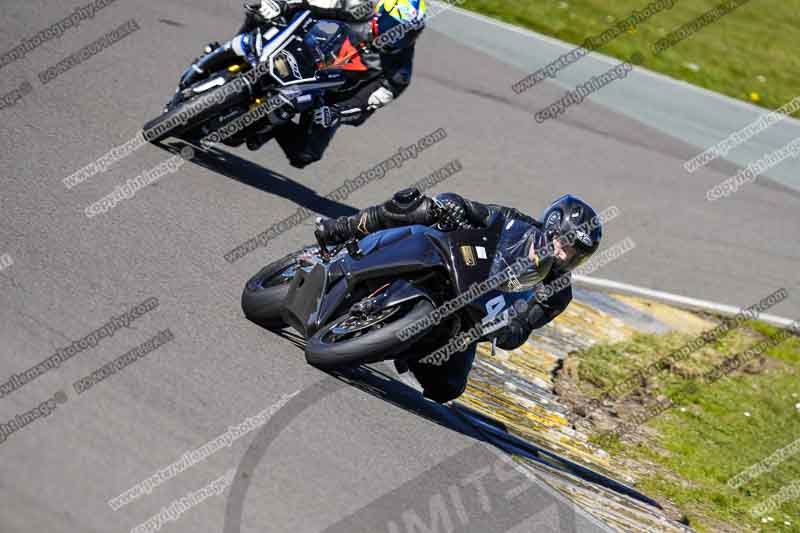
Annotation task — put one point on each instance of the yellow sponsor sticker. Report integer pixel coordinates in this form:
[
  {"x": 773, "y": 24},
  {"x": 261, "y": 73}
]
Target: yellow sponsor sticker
[{"x": 468, "y": 254}]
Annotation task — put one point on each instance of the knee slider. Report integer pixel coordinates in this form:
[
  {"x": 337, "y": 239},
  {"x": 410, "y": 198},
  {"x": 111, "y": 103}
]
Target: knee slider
[{"x": 446, "y": 391}]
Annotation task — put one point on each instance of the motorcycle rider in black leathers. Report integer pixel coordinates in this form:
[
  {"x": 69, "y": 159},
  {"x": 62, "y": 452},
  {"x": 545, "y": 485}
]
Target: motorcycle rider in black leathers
[
  {"x": 568, "y": 234},
  {"x": 389, "y": 35}
]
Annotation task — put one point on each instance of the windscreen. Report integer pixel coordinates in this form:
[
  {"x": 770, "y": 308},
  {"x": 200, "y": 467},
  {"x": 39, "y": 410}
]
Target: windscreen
[
  {"x": 325, "y": 40},
  {"x": 514, "y": 244}
]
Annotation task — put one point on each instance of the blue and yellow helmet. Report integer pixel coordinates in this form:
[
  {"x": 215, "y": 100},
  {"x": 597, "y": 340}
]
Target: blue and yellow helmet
[{"x": 398, "y": 23}]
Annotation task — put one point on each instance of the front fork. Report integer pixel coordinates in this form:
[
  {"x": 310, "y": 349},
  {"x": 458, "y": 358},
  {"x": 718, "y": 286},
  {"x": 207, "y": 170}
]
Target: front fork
[{"x": 216, "y": 57}]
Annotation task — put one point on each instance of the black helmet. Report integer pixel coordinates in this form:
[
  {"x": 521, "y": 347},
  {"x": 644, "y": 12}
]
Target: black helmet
[{"x": 575, "y": 223}]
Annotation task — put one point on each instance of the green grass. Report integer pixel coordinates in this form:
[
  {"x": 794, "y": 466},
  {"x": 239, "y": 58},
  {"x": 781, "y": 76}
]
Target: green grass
[
  {"x": 707, "y": 438},
  {"x": 750, "y": 50},
  {"x": 604, "y": 366}
]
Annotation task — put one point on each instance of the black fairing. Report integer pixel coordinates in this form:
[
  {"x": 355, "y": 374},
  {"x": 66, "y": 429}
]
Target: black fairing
[
  {"x": 304, "y": 299},
  {"x": 395, "y": 255}
]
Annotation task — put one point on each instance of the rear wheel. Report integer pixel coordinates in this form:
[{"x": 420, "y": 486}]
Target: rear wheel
[
  {"x": 362, "y": 336},
  {"x": 265, "y": 293}
]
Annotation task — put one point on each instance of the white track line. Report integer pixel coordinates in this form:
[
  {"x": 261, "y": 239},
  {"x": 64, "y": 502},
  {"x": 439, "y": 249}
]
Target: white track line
[{"x": 681, "y": 301}]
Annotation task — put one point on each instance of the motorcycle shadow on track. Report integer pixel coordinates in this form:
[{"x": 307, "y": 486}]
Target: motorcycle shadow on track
[
  {"x": 381, "y": 380},
  {"x": 261, "y": 178}
]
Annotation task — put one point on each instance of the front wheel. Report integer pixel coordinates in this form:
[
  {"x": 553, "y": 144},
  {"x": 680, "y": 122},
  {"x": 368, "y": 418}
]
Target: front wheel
[
  {"x": 360, "y": 338},
  {"x": 192, "y": 113}
]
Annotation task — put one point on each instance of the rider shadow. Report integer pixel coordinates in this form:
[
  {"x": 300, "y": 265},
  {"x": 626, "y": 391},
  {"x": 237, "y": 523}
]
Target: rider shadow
[
  {"x": 372, "y": 380},
  {"x": 386, "y": 386},
  {"x": 462, "y": 419},
  {"x": 261, "y": 178}
]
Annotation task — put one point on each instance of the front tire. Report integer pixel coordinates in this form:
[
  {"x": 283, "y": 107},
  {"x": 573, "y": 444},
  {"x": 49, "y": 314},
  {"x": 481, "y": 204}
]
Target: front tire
[
  {"x": 222, "y": 98},
  {"x": 325, "y": 351}
]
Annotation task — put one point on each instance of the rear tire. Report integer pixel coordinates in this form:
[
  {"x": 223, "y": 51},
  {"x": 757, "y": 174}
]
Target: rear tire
[{"x": 375, "y": 345}]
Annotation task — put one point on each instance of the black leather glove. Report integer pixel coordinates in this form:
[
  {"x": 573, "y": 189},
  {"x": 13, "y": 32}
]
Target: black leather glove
[
  {"x": 326, "y": 116},
  {"x": 332, "y": 231},
  {"x": 453, "y": 211},
  {"x": 269, "y": 10},
  {"x": 519, "y": 328},
  {"x": 450, "y": 215}
]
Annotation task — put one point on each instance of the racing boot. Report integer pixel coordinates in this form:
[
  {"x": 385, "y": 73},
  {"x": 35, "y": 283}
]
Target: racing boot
[{"x": 258, "y": 139}]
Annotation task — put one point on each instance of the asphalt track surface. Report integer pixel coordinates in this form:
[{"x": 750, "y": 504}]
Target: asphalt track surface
[{"x": 353, "y": 457}]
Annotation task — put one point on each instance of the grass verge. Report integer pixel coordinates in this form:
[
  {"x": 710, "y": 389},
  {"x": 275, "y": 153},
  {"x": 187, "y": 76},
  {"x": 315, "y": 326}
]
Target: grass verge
[
  {"x": 685, "y": 455},
  {"x": 749, "y": 54}
]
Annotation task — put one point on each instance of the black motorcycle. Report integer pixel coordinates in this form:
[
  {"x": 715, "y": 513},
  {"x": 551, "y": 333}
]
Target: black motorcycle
[
  {"x": 301, "y": 61},
  {"x": 352, "y": 303}
]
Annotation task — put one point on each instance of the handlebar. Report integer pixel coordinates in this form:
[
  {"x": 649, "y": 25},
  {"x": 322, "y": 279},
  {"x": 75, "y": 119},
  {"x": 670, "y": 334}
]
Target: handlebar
[{"x": 253, "y": 8}]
